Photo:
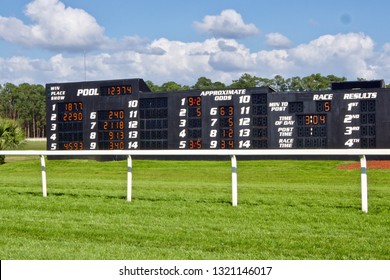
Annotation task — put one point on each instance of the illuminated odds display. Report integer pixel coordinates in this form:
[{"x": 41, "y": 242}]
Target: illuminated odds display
[{"x": 126, "y": 115}]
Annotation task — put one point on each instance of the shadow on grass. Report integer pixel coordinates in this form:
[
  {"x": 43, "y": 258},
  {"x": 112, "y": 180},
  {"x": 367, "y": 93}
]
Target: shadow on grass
[{"x": 134, "y": 199}]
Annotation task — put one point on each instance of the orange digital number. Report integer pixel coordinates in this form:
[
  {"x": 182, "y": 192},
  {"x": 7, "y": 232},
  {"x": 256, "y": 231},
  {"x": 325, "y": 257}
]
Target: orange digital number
[
  {"x": 227, "y": 133},
  {"x": 74, "y": 106},
  {"x": 116, "y": 135},
  {"x": 116, "y": 145},
  {"x": 327, "y": 106},
  {"x": 194, "y": 101},
  {"x": 112, "y": 115},
  {"x": 226, "y": 111},
  {"x": 230, "y": 122},
  {"x": 226, "y": 144},
  {"x": 74, "y": 146},
  {"x": 307, "y": 120},
  {"x": 119, "y": 90},
  {"x": 195, "y": 144}
]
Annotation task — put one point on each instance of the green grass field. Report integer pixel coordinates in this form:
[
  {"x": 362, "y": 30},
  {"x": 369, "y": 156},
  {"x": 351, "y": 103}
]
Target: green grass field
[{"x": 181, "y": 210}]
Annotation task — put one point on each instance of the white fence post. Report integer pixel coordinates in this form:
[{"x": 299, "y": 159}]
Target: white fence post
[
  {"x": 234, "y": 180},
  {"x": 43, "y": 168},
  {"x": 129, "y": 177},
  {"x": 363, "y": 182}
]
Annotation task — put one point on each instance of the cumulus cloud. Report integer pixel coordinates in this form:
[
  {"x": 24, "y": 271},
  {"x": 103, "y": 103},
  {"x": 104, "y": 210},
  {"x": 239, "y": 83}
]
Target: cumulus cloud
[
  {"x": 229, "y": 24},
  {"x": 333, "y": 47},
  {"x": 54, "y": 27},
  {"x": 21, "y": 69},
  {"x": 220, "y": 58},
  {"x": 351, "y": 55},
  {"x": 275, "y": 62},
  {"x": 277, "y": 40}
]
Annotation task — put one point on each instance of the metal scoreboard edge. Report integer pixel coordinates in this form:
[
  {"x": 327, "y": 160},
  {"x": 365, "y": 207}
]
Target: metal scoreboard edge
[{"x": 126, "y": 115}]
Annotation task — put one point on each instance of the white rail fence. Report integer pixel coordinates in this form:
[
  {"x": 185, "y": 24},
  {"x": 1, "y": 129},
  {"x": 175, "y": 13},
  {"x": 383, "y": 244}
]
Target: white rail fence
[{"x": 361, "y": 153}]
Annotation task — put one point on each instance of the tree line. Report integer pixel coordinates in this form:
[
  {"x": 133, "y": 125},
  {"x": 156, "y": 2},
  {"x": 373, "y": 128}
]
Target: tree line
[
  {"x": 314, "y": 82},
  {"x": 25, "y": 103}
]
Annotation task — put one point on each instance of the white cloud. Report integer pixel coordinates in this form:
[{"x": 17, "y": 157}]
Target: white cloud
[
  {"x": 277, "y": 40},
  {"x": 330, "y": 47},
  {"x": 229, "y": 24},
  {"x": 54, "y": 27},
  {"x": 274, "y": 62},
  {"x": 351, "y": 55},
  {"x": 20, "y": 69},
  {"x": 232, "y": 57},
  {"x": 348, "y": 55},
  {"x": 160, "y": 60}
]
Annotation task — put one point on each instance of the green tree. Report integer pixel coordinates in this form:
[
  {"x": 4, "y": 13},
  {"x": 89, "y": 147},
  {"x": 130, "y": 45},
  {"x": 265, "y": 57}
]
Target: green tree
[
  {"x": 245, "y": 81},
  {"x": 280, "y": 84},
  {"x": 25, "y": 103},
  {"x": 203, "y": 83},
  {"x": 317, "y": 82},
  {"x": 172, "y": 86},
  {"x": 11, "y": 136},
  {"x": 295, "y": 84},
  {"x": 333, "y": 78},
  {"x": 219, "y": 85},
  {"x": 264, "y": 82},
  {"x": 31, "y": 108},
  {"x": 206, "y": 83},
  {"x": 152, "y": 86},
  {"x": 8, "y": 101}
]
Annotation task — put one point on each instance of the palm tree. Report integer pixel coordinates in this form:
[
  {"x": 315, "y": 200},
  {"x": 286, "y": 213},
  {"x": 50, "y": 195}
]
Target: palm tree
[{"x": 11, "y": 136}]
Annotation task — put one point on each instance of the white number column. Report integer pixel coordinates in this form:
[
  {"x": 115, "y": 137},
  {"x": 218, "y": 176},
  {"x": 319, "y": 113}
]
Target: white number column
[
  {"x": 133, "y": 125},
  {"x": 244, "y": 125},
  {"x": 53, "y": 127},
  {"x": 182, "y": 124},
  {"x": 93, "y": 125}
]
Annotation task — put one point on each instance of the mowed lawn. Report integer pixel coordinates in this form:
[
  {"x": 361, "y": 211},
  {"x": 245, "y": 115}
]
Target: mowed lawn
[{"x": 287, "y": 209}]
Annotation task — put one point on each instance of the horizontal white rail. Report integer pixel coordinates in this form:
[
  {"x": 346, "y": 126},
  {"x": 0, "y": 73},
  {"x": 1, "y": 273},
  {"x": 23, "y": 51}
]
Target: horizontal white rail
[
  {"x": 249, "y": 152},
  {"x": 361, "y": 153}
]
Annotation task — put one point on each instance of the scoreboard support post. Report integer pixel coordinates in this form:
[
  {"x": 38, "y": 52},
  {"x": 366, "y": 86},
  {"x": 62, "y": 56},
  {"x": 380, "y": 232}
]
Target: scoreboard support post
[
  {"x": 234, "y": 180},
  {"x": 363, "y": 181}
]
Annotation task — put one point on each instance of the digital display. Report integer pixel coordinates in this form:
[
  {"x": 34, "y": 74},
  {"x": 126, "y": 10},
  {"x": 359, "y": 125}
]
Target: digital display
[
  {"x": 70, "y": 125},
  {"x": 70, "y": 112},
  {"x": 311, "y": 120},
  {"x": 111, "y": 129},
  {"x": 116, "y": 90},
  {"x": 191, "y": 122},
  {"x": 126, "y": 115}
]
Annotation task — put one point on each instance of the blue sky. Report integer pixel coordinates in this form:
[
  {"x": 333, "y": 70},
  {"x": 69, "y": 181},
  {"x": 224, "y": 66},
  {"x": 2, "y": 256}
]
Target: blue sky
[{"x": 44, "y": 41}]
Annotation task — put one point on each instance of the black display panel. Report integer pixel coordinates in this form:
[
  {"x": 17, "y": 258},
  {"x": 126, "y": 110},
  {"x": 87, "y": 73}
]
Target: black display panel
[{"x": 125, "y": 115}]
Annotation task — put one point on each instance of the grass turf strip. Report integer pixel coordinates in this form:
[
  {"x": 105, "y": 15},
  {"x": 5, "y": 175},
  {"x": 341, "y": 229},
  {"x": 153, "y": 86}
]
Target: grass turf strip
[{"x": 181, "y": 210}]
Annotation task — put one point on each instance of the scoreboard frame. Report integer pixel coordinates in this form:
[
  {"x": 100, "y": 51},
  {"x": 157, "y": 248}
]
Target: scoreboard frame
[{"x": 127, "y": 115}]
